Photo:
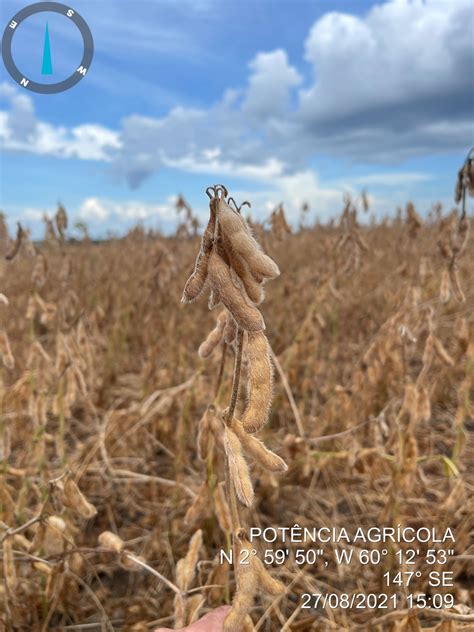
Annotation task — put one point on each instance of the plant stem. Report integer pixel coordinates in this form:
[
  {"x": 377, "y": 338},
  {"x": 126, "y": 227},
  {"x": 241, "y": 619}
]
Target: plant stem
[
  {"x": 221, "y": 370},
  {"x": 236, "y": 377},
  {"x": 230, "y": 490}
]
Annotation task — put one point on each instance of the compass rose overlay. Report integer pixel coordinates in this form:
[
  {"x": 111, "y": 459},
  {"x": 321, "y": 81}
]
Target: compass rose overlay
[{"x": 77, "y": 73}]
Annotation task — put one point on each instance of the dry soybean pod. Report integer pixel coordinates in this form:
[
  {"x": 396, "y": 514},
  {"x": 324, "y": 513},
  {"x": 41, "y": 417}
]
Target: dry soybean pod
[
  {"x": 16, "y": 246},
  {"x": 258, "y": 450},
  {"x": 74, "y": 499},
  {"x": 243, "y": 278},
  {"x": 238, "y": 468},
  {"x": 9, "y": 569},
  {"x": 260, "y": 382},
  {"x": 214, "y": 337},
  {"x": 203, "y": 436},
  {"x": 252, "y": 287},
  {"x": 230, "y": 329},
  {"x": 243, "y": 243},
  {"x": 186, "y": 567},
  {"x": 197, "y": 281},
  {"x": 461, "y": 237},
  {"x": 442, "y": 353},
  {"x": 246, "y": 315},
  {"x": 222, "y": 508},
  {"x": 445, "y": 287},
  {"x": 198, "y": 509},
  {"x": 111, "y": 541},
  {"x": 456, "y": 284},
  {"x": 214, "y": 299},
  {"x": 266, "y": 581},
  {"x": 5, "y": 352},
  {"x": 247, "y": 587}
]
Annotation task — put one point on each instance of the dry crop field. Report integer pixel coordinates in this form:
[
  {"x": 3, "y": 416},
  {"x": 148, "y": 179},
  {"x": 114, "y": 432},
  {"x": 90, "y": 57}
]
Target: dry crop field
[{"x": 129, "y": 460}]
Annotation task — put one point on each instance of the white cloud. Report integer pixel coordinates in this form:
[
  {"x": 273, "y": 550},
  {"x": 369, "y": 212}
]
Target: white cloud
[
  {"x": 271, "y": 168},
  {"x": 376, "y": 96},
  {"x": 21, "y": 131},
  {"x": 272, "y": 77},
  {"x": 401, "y": 50},
  {"x": 33, "y": 214},
  {"x": 293, "y": 190},
  {"x": 395, "y": 83},
  {"x": 392, "y": 179},
  {"x": 96, "y": 209},
  {"x": 93, "y": 141}
]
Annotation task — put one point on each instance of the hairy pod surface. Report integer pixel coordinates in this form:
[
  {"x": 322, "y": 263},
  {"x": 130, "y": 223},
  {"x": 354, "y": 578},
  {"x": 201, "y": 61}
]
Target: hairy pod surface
[
  {"x": 461, "y": 237},
  {"x": 246, "y": 315},
  {"x": 247, "y": 588},
  {"x": 222, "y": 508},
  {"x": 238, "y": 468},
  {"x": 243, "y": 243},
  {"x": 256, "y": 448},
  {"x": 442, "y": 353},
  {"x": 186, "y": 567},
  {"x": 214, "y": 299},
  {"x": 456, "y": 284},
  {"x": 214, "y": 337},
  {"x": 9, "y": 570},
  {"x": 199, "y": 508},
  {"x": 73, "y": 498},
  {"x": 245, "y": 279},
  {"x": 445, "y": 287},
  {"x": 252, "y": 287},
  {"x": 109, "y": 540},
  {"x": 230, "y": 330},
  {"x": 197, "y": 281},
  {"x": 203, "y": 436},
  {"x": 266, "y": 581},
  {"x": 195, "y": 284},
  {"x": 260, "y": 382},
  {"x": 5, "y": 351}
]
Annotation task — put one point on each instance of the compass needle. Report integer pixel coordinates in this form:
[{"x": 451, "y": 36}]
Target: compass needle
[{"x": 47, "y": 66}]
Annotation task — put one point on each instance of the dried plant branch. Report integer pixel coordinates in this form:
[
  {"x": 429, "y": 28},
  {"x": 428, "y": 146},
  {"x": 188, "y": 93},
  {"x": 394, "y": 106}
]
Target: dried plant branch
[{"x": 289, "y": 394}]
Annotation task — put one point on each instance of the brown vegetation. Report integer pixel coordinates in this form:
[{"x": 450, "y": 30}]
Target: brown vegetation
[{"x": 112, "y": 503}]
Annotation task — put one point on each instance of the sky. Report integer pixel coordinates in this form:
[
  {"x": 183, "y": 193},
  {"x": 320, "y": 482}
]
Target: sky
[{"x": 283, "y": 101}]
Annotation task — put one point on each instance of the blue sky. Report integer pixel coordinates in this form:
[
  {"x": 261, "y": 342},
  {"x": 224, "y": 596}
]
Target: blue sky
[{"x": 283, "y": 101}]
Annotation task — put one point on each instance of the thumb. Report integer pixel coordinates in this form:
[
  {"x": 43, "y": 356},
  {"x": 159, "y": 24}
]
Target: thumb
[{"x": 212, "y": 622}]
